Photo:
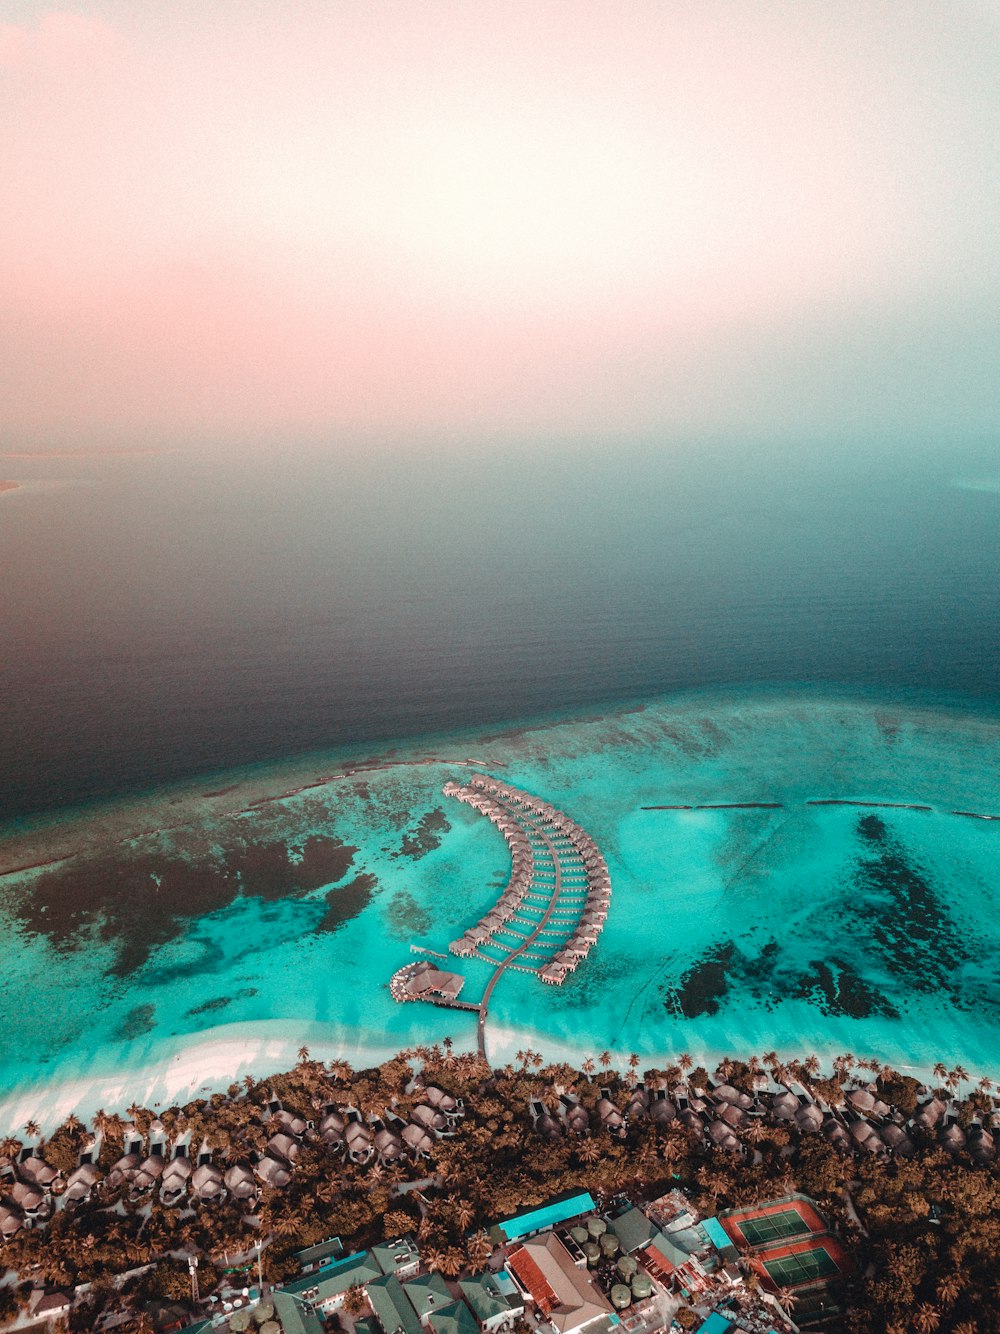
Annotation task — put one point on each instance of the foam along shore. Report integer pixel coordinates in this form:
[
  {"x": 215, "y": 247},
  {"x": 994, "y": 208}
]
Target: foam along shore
[{"x": 177, "y": 1071}]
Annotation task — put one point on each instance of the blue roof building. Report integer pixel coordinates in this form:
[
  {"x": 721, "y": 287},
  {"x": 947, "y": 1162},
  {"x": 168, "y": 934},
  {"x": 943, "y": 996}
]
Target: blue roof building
[{"x": 545, "y": 1216}]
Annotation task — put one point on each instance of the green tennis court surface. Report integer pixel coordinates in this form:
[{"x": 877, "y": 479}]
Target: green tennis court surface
[
  {"x": 772, "y": 1227},
  {"x": 801, "y": 1268}
]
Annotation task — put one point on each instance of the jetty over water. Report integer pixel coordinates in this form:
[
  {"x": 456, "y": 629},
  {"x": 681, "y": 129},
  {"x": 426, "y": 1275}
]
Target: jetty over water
[
  {"x": 548, "y": 916},
  {"x": 553, "y": 908}
]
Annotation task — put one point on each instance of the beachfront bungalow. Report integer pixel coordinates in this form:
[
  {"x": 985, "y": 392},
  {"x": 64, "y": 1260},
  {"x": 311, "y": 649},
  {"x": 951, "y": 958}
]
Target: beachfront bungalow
[
  {"x": 575, "y": 1116},
  {"x": 239, "y": 1182},
  {"x": 283, "y": 1146},
  {"x": 28, "y": 1199},
  {"x": 723, "y": 1138},
  {"x": 417, "y": 1140},
  {"x": 149, "y": 1173},
  {"x": 37, "y": 1172},
  {"x": 11, "y": 1220},
  {"x": 429, "y": 1119},
  {"x": 206, "y": 1183},
  {"x": 331, "y": 1128},
  {"x": 290, "y": 1122},
  {"x": 611, "y": 1118},
  {"x": 661, "y": 1110},
  {"x": 272, "y": 1173},
  {"x": 124, "y": 1170},
  {"x": 174, "y": 1181},
  {"x": 81, "y": 1182},
  {"x": 388, "y": 1145},
  {"x": 359, "y": 1141},
  {"x": 453, "y": 1108}
]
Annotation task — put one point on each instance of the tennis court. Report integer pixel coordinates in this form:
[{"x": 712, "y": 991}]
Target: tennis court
[
  {"x": 802, "y": 1267},
  {"x": 765, "y": 1228}
]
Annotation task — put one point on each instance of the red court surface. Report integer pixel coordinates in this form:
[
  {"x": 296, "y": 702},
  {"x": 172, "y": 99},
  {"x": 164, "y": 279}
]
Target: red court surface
[
  {"x": 765, "y": 1224},
  {"x": 802, "y": 1262}
]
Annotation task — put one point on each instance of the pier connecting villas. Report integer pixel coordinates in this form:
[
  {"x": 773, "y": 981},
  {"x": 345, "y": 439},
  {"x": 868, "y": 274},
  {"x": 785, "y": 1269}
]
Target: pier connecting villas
[{"x": 548, "y": 916}]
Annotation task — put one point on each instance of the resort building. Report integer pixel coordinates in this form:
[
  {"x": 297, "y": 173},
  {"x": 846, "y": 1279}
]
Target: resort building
[
  {"x": 564, "y": 1295},
  {"x": 393, "y": 1310},
  {"x": 561, "y": 1210},
  {"x": 493, "y": 1308}
]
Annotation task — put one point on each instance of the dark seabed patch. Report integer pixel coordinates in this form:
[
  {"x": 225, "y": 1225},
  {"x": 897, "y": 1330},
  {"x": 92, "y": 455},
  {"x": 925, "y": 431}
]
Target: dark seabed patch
[
  {"x": 346, "y": 902},
  {"x": 835, "y": 988},
  {"x": 220, "y": 1002},
  {"x": 140, "y": 898},
  {"x": 427, "y": 835},
  {"x": 406, "y": 917},
  {"x": 138, "y": 1021},
  {"x": 703, "y": 987},
  {"x": 910, "y": 926}
]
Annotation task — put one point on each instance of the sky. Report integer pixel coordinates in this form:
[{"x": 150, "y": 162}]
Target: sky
[{"x": 236, "y": 222}]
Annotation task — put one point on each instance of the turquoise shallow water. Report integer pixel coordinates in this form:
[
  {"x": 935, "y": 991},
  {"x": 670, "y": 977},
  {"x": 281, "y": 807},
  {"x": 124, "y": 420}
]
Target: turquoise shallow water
[{"x": 822, "y": 928}]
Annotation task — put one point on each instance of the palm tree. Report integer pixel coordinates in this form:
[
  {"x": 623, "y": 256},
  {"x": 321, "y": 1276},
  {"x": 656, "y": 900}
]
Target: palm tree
[
  {"x": 940, "y": 1071},
  {"x": 588, "y": 1068},
  {"x": 604, "y": 1060},
  {"x": 10, "y": 1147},
  {"x": 31, "y": 1128},
  {"x": 478, "y": 1252},
  {"x": 950, "y": 1286},
  {"x": 465, "y": 1213},
  {"x": 303, "y": 1055},
  {"x": 685, "y": 1061},
  {"x": 926, "y": 1318},
  {"x": 589, "y": 1152},
  {"x": 633, "y": 1066},
  {"x": 960, "y": 1075}
]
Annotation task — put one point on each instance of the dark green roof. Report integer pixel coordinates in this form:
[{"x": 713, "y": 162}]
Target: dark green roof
[
  {"x": 485, "y": 1298},
  {"x": 295, "y": 1316},
  {"x": 428, "y": 1293},
  {"x": 632, "y": 1228},
  {"x": 394, "y": 1255},
  {"x": 330, "y": 1249},
  {"x": 455, "y": 1318},
  {"x": 336, "y": 1278},
  {"x": 393, "y": 1312}
]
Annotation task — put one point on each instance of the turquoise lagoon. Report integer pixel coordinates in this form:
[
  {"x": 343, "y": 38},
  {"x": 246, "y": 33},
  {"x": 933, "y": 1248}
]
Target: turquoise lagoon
[{"x": 224, "y": 904}]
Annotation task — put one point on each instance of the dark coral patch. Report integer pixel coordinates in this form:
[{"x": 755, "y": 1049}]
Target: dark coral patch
[
  {"x": 427, "y": 835},
  {"x": 703, "y": 987},
  {"x": 838, "y": 990},
  {"x": 137, "y": 1022},
  {"x": 140, "y": 899},
  {"x": 406, "y": 917},
  {"x": 347, "y": 901}
]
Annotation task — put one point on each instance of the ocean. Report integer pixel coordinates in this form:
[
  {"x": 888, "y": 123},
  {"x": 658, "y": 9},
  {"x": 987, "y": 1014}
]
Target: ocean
[{"x": 186, "y": 639}]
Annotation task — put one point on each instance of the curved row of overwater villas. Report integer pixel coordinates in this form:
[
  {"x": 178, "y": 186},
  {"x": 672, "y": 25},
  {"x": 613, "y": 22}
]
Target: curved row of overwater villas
[{"x": 557, "y": 871}]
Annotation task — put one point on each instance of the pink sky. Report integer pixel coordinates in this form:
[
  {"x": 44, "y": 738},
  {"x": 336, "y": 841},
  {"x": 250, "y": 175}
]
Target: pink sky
[{"x": 229, "y": 221}]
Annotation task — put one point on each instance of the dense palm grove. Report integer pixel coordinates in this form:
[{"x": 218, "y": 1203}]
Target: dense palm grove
[{"x": 924, "y": 1230}]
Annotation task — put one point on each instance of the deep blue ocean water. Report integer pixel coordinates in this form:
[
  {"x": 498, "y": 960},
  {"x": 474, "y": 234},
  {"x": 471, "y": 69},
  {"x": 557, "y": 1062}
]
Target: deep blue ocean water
[
  {"x": 169, "y": 615},
  {"x": 184, "y": 638}
]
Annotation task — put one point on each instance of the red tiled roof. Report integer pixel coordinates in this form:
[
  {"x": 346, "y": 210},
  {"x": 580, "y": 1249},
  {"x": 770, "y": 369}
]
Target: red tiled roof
[{"x": 533, "y": 1279}]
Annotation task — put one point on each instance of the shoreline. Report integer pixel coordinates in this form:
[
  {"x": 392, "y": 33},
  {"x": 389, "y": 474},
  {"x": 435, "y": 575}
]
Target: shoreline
[{"x": 181, "y": 1070}]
